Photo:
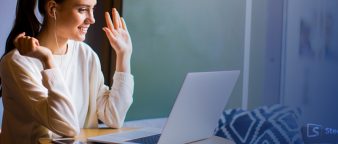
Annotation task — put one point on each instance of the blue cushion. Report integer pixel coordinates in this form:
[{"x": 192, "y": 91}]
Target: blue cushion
[{"x": 264, "y": 125}]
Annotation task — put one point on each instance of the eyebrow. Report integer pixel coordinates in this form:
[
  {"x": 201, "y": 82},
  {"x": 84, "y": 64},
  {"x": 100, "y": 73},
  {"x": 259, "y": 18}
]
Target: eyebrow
[{"x": 83, "y": 5}]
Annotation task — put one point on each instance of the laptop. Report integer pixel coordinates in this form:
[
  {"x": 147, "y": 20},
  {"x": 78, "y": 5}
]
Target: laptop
[{"x": 194, "y": 116}]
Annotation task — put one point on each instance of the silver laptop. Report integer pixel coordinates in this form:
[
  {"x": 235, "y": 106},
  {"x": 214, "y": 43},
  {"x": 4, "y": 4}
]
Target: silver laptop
[{"x": 194, "y": 115}]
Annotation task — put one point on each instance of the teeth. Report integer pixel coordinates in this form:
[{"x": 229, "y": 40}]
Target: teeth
[{"x": 83, "y": 29}]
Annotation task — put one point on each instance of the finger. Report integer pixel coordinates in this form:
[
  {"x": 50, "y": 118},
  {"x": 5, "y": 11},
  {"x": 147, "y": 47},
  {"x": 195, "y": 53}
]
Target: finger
[
  {"x": 116, "y": 19},
  {"x": 108, "y": 20},
  {"x": 19, "y": 42},
  {"x": 113, "y": 31},
  {"x": 32, "y": 44},
  {"x": 110, "y": 35},
  {"x": 19, "y": 36},
  {"x": 36, "y": 42},
  {"x": 16, "y": 42},
  {"x": 27, "y": 44},
  {"x": 124, "y": 26}
]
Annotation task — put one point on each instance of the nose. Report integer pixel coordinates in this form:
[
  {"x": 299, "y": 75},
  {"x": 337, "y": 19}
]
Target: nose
[{"x": 90, "y": 19}]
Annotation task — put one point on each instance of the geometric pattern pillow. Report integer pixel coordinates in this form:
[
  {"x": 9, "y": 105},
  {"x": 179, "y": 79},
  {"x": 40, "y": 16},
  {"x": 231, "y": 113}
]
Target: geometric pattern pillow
[{"x": 276, "y": 124}]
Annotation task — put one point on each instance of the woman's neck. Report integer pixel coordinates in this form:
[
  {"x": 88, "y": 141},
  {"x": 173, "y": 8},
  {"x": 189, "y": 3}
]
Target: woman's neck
[{"x": 48, "y": 38}]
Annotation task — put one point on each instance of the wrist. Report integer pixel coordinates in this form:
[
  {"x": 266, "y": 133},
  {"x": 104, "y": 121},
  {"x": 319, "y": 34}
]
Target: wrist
[
  {"x": 123, "y": 63},
  {"x": 123, "y": 54},
  {"x": 48, "y": 61}
]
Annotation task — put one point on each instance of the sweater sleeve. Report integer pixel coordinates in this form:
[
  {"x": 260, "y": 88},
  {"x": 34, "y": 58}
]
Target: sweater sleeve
[
  {"x": 46, "y": 101},
  {"x": 113, "y": 105}
]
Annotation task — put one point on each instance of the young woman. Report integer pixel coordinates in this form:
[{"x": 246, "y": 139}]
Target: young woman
[{"x": 52, "y": 83}]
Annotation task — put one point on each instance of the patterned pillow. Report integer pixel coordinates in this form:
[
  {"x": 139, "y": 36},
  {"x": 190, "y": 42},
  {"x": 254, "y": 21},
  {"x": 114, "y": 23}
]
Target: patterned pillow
[{"x": 274, "y": 124}]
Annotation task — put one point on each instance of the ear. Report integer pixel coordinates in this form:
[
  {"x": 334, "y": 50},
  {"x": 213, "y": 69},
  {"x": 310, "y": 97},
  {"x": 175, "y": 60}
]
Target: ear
[{"x": 51, "y": 8}]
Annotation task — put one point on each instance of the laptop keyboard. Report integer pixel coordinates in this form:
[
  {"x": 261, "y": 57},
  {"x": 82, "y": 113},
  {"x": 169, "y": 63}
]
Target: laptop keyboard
[{"x": 147, "y": 140}]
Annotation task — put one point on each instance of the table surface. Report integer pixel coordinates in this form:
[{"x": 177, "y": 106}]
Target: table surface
[{"x": 85, "y": 133}]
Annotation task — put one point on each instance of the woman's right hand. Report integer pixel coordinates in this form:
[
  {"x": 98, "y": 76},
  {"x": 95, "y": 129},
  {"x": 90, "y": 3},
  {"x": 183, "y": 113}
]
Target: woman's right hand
[{"x": 29, "y": 46}]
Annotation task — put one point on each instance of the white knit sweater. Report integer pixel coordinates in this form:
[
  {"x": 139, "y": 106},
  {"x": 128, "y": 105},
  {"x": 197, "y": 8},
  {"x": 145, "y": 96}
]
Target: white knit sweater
[{"x": 60, "y": 100}]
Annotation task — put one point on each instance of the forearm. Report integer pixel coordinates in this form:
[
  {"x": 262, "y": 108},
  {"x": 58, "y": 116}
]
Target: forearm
[
  {"x": 113, "y": 106},
  {"x": 51, "y": 108},
  {"x": 61, "y": 113}
]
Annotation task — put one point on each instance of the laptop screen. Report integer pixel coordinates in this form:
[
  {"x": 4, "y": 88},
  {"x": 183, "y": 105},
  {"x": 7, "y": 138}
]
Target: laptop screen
[{"x": 198, "y": 106}]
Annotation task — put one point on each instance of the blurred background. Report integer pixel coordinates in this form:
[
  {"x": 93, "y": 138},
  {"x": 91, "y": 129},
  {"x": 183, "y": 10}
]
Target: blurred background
[{"x": 286, "y": 50}]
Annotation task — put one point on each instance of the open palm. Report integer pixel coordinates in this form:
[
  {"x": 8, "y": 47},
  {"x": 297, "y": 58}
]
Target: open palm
[{"x": 118, "y": 34}]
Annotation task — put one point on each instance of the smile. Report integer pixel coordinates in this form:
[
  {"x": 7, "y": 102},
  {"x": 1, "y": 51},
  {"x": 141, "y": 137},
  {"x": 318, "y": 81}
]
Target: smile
[{"x": 83, "y": 29}]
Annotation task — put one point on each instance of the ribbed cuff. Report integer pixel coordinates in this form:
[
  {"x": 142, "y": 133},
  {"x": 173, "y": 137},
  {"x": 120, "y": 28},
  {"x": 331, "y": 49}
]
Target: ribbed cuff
[{"x": 122, "y": 76}]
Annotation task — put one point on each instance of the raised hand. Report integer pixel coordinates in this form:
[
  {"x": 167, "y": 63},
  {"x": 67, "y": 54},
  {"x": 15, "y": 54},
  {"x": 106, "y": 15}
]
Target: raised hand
[
  {"x": 29, "y": 46},
  {"x": 118, "y": 34},
  {"x": 119, "y": 39}
]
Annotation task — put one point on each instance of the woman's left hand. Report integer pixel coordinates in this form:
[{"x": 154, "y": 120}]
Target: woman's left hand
[{"x": 118, "y": 34}]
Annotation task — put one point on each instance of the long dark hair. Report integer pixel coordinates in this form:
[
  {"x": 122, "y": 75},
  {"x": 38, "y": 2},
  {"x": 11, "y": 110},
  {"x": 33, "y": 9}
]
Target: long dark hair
[{"x": 25, "y": 21}]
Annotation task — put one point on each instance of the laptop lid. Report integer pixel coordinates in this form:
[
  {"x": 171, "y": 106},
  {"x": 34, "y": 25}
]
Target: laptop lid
[
  {"x": 196, "y": 111},
  {"x": 198, "y": 106}
]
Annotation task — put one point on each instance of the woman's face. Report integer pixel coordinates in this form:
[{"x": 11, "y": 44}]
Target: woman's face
[{"x": 73, "y": 18}]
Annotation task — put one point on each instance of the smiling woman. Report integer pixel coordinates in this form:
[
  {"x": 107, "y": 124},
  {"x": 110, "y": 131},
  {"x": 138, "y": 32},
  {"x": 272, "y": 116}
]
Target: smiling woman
[{"x": 52, "y": 83}]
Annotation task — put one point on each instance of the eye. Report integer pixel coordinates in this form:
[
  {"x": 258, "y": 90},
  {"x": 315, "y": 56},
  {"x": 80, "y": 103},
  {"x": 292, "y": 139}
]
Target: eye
[{"x": 82, "y": 10}]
